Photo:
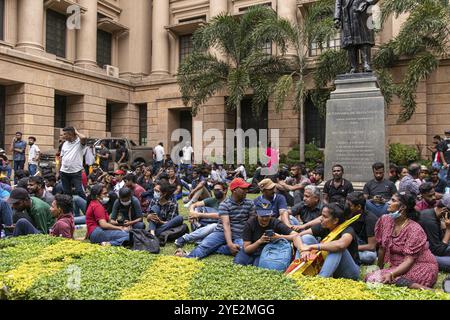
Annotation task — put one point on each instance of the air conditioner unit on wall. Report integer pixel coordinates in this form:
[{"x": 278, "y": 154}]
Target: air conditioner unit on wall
[{"x": 112, "y": 71}]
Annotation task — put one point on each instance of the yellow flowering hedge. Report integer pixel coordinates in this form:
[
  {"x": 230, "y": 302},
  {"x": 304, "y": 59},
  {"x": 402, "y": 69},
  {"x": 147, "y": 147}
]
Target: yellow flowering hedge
[{"x": 42, "y": 267}]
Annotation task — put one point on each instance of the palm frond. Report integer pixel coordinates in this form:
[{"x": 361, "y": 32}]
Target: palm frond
[
  {"x": 282, "y": 89},
  {"x": 418, "y": 69},
  {"x": 237, "y": 83},
  {"x": 329, "y": 65}
]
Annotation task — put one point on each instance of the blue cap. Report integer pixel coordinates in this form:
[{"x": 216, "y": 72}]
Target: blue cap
[{"x": 264, "y": 212}]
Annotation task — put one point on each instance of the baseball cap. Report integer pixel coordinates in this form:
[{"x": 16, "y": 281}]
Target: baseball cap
[
  {"x": 239, "y": 183},
  {"x": 445, "y": 201},
  {"x": 266, "y": 184},
  {"x": 119, "y": 172},
  {"x": 264, "y": 212},
  {"x": 263, "y": 208},
  {"x": 17, "y": 195}
]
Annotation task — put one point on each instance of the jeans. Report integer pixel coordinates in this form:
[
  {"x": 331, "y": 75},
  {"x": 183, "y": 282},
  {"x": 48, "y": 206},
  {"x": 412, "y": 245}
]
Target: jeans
[
  {"x": 185, "y": 185},
  {"x": 200, "y": 233},
  {"x": 294, "y": 221},
  {"x": 18, "y": 165},
  {"x": 367, "y": 257},
  {"x": 337, "y": 264},
  {"x": 214, "y": 243},
  {"x": 79, "y": 206},
  {"x": 160, "y": 228},
  {"x": 444, "y": 261},
  {"x": 23, "y": 228},
  {"x": 32, "y": 168},
  {"x": 156, "y": 166},
  {"x": 245, "y": 259},
  {"x": 114, "y": 237},
  {"x": 72, "y": 179},
  {"x": 376, "y": 209}
]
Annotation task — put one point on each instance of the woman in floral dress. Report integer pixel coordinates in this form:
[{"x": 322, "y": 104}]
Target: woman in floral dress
[{"x": 403, "y": 246}]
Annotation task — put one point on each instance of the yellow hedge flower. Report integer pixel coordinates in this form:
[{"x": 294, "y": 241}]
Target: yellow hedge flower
[{"x": 167, "y": 278}]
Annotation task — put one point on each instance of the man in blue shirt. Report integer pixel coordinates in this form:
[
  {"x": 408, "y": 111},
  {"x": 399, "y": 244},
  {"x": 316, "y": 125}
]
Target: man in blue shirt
[
  {"x": 234, "y": 213},
  {"x": 277, "y": 201},
  {"x": 6, "y": 219},
  {"x": 18, "y": 147}
]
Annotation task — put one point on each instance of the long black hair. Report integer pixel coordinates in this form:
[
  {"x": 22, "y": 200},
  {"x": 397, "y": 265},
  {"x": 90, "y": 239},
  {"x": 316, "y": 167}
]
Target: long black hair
[
  {"x": 408, "y": 199},
  {"x": 336, "y": 211}
]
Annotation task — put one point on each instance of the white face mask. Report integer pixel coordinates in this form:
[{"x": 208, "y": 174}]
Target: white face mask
[
  {"x": 126, "y": 204},
  {"x": 156, "y": 195},
  {"x": 395, "y": 215},
  {"x": 105, "y": 200}
]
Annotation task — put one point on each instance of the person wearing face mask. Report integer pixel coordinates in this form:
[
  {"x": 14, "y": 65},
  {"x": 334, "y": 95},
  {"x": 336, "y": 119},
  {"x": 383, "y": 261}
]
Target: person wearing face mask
[
  {"x": 403, "y": 246},
  {"x": 127, "y": 210},
  {"x": 428, "y": 196},
  {"x": 204, "y": 216},
  {"x": 163, "y": 209},
  {"x": 100, "y": 230},
  {"x": 33, "y": 156},
  {"x": 234, "y": 213}
]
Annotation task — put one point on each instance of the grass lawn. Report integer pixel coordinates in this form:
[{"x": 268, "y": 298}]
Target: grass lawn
[{"x": 170, "y": 248}]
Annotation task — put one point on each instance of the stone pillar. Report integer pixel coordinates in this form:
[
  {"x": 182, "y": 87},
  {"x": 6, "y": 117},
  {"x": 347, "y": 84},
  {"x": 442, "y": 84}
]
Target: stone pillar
[
  {"x": 87, "y": 114},
  {"x": 87, "y": 36},
  {"x": 287, "y": 9},
  {"x": 31, "y": 25},
  {"x": 30, "y": 109},
  {"x": 125, "y": 121},
  {"x": 356, "y": 131},
  {"x": 217, "y": 7},
  {"x": 160, "y": 38}
]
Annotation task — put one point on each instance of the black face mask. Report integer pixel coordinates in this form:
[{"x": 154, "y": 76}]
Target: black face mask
[{"x": 218, "y": 194}]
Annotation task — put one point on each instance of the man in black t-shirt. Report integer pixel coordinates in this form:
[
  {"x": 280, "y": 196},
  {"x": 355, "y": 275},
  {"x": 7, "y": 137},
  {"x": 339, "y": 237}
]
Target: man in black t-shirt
[
  {"x": 258, "y": 232},
  {"x": 337, "y": 189},
  {"x": 121, "y": 155},
  {"x": 438, "y": 239},
  {"x": 378, "y": 191},
  {"x": 364, "y": 227}
]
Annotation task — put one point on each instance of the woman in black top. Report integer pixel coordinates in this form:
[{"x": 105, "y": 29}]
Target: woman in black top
[{"x": 342, "y": 260}]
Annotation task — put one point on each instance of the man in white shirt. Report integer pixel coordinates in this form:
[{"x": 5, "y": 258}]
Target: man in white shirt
[
  {"x": 240, "y": 172},
  {"x": 72, "y": 161},
  {"x": 33, "y": 156},
  {"x": 186, "y": 160},
  {"x": 89, "y": 157},
  {"x": 158, "y": 156}
]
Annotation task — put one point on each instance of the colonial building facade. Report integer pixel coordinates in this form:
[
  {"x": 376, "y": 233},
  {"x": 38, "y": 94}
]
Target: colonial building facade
[{"x": 113, "y": 73}]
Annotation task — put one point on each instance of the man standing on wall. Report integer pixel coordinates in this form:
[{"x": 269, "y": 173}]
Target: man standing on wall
[
  {"x": 18, "y": 147},
  {"x": 158, "y": 157},
  {"x": 33, "y": 156}
]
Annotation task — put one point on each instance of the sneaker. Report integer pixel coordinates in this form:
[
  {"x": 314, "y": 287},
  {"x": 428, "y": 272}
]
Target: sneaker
[
  {"x": 187, "y": 205},
  {"x": 181, "y": 253},
  {"x": 180, "y": 242}
]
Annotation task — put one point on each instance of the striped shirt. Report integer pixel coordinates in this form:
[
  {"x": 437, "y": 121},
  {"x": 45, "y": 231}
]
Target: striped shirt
[{"x": 239, "y": 213}]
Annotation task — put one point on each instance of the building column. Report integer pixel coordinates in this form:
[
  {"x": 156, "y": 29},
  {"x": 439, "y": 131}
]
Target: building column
[
  {"x": 30, "y": 109},
  {"x": 217, "y": 7},
  {"x": 287, "y": 9},
  {"x": 160, "y": 37},
  {"x": 87, "y": 36},
  {"x": 31, "y": 25},
  {"x": 87, "y": 114}
]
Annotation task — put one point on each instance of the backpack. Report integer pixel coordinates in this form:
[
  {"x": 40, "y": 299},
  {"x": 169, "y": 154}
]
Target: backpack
[
  {"x": 276, "y": 255},
  {"x": 172, "y": 234},
  {"x": 142, "y": 240}
]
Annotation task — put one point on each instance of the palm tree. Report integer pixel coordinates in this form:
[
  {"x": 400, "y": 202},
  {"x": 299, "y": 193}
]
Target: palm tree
[
  {"x": 316, "y": 26},
  {"x": 246, "y": 67},
  {"x": 423, "y": 40}
]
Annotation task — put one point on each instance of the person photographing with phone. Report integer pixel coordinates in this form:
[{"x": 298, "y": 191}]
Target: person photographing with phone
[
  {"x": 261, "y": 230},
  {"x": 432, "y": 221}
]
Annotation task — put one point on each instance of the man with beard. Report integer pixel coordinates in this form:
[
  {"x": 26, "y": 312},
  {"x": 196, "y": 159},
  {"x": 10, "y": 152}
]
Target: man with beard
[
  {"x": 378, "y": 191},
  {"x": 36, "y": 188},
  {"x": 337, "y": 189},
  {"x": 33, "y": 156},
  {"x": 428, "y": 195}
]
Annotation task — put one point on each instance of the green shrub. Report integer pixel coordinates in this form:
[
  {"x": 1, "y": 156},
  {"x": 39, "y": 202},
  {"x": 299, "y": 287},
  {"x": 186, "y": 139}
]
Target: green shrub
[
  {"x": 402, "y": 154},
  {"x": 312, "y": 154}
]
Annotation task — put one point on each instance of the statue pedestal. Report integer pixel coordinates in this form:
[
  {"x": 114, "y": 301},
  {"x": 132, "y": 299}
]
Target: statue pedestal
[{"x": 355, "y": 130}]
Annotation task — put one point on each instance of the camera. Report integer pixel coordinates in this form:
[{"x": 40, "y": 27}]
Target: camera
[{"x": 269, "y": 233}]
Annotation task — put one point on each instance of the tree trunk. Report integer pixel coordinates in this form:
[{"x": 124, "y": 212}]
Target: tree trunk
[
  {"x": 302, "y": 130},
  {"x": 238, "y": 116}
]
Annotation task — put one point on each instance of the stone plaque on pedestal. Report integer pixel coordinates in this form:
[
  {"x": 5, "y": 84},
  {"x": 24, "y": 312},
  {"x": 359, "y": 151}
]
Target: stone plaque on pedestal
[{"x": 355, "y": 127}]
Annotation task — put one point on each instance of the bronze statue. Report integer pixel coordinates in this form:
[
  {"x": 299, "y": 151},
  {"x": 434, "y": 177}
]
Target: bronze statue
[{"x": 356, "y": 36}]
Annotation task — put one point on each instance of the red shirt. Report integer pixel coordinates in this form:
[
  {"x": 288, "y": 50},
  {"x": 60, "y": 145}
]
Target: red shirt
[
  {"x": 138, "y": 191},
  {"x": 94, "y": 213},
  {"x": 84, "y": 179},
  {"x": 422, "y": 205},
  {"x": 64, "y": 227}
]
